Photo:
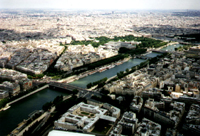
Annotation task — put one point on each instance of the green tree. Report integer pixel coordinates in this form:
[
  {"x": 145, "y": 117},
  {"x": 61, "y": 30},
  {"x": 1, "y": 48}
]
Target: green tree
[
  {"x": 75, "y": 91},
  {"x": 127, "y": 70},
  {"x": 39, "y": 75},
  {"x": 58, "y": 99},
  {"x": 47, "y": 106},
  {"x": 3, "y": 102},
  {"x": 89, "y": 85},
  {"x": 104, "y": 91},
  {"x": 30, "y": 77}
]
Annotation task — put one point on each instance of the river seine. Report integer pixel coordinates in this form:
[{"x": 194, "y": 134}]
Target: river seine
[{"x": 21, "y": 109}]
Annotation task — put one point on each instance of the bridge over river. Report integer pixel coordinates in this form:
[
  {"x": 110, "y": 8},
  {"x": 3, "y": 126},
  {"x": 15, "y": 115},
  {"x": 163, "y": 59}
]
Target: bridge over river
[
  {"x": 64, "y": 86},
  {"x": 160, "y": 51},
  {"x": 84, "y": 93}
]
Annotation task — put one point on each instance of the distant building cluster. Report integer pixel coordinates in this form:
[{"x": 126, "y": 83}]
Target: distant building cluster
[
  {"x": 32, "y": 57},
  {"x": 11, "y": 75},
  {"x": 79, "y": 55},
  {"x": 82, "y": 26},
  {"x": 193, "y": 52}
]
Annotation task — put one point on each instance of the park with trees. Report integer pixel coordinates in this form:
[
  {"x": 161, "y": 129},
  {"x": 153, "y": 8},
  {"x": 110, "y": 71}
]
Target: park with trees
[
  {"x": 145, "y": 42},
  {"x": 95, "y": 42}
]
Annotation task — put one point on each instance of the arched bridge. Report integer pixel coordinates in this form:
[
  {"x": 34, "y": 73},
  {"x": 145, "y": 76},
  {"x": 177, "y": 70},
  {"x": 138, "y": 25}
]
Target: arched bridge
[{"x": 65, "y": 86}]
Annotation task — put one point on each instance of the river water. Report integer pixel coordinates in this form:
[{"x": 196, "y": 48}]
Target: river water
[
  {"x": 171, "y": 47},
  {"x": 21, "y": 109},
  {"x": 152, "y": 55},
  {"x": 108, "y": 73}
]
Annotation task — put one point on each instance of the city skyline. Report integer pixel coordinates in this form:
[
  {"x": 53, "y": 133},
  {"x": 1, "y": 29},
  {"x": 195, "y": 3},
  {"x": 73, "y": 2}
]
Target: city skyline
[
  {"x": 111, "y": 71},
  {"x": 102, "y": 5}
]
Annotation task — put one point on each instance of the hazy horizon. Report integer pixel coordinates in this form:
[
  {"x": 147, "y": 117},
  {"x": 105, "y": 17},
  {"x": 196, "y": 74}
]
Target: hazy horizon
[{"x": 102, "y": 5}]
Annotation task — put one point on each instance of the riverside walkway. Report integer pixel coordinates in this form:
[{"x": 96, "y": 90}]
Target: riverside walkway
[
  {"x": 32, "y": 123},
  {"x": 37, "y": 90}
]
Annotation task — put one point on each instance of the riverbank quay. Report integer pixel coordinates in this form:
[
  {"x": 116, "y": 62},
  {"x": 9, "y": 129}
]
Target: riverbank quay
[
  {"x": 10, "y": 118},
  {"x": 20, "y": 98},
  {"x": 23, "y": 126},
  {"x": 157, "y": 49},
  {"x": 42, "y": 118},
  {"x": 37, "y": 90},
  {"x": 39, "y": 125},
  {"x": 90, "y": 72},
  {"x": 108, "y": 80},
  {"x": 5, "y": 108},
  {"x": 100, "y": 83},
  {"x": 169, "y": 44}
]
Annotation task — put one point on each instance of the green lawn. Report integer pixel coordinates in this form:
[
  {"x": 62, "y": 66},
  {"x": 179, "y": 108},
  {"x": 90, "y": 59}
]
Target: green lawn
[
  {"x": 91, "y": 115},
  {"x": 85, "y": 113}
]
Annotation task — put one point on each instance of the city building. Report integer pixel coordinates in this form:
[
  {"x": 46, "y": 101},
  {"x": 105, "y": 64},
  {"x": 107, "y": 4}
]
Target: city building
[
  {"x": 127, "y": 125},
  {"x": 136, "y": 104},
  {"x": 3, "y": 94},
  {"x": 12, "y": 88},
  {"x": 82, "y": 117},
  {"x": 148, "y": 127}
]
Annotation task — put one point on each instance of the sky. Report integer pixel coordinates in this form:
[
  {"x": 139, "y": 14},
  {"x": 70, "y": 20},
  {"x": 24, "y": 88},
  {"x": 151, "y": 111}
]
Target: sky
[{"x": 102, "y": 4}]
